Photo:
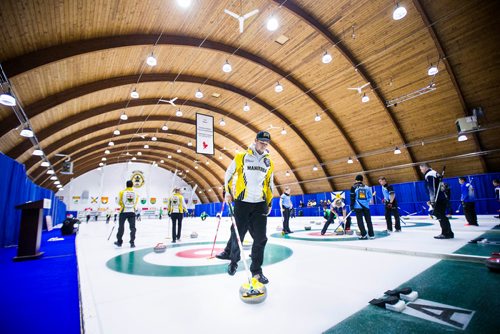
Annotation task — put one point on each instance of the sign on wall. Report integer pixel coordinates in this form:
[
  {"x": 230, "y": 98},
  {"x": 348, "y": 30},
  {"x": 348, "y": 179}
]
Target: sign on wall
[
  {"x": 204, "y": 134},
  {"x": 138, "y": 178}
]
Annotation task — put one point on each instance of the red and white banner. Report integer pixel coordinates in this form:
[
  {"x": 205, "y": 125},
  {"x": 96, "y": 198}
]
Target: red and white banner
[{"x": 204, "y": 134}]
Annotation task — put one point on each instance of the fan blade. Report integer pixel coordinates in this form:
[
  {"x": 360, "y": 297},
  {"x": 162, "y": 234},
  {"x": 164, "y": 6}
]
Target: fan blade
[
  {"x": 173, "y": 100},
  {"x": 366, "y": 84},
  {"x": 353, "y": 88},
  {"x": 241, "y": 26},
  {"x": 236, "y": 16},
  {"x": 252, "y": 13}
]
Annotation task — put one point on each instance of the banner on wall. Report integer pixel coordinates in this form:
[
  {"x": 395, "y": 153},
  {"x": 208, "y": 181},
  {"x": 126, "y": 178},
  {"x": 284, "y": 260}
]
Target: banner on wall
[
  {"x": 165, "y": 200},
  {"x": 204, "y": 134},
  {"x": 138, "y": 178},
  {"x": 76, "y": 199},
  {"x": 153, "y": 200},
  {"x": 94, "y": 199},
  {"x": 144, "y": 200},
  {"x": 104, "y": 200}
]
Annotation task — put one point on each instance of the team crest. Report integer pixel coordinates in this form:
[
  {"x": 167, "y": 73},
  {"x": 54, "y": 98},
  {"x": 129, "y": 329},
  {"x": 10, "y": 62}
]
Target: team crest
[
  {"x": 267, "y": 162},
  {"x": 144, "y": 200},
  {"x": 104, "y": 200},
  {"x": 165, "y": 200},
  {"x": 137, "y": 178},
  {"x": 94, "y": 199},
  {"x": 338, "y": 195},
  {"x": 153, "y": 200}
]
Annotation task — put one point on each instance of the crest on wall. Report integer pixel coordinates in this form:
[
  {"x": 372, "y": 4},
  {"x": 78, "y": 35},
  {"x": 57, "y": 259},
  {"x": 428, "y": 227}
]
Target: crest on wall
[
  {"x": 104, "y": 200},
  {"x": 137, "y": 178}
]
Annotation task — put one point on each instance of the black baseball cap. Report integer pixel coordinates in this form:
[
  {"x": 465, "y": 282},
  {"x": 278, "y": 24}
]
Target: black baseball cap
[{"x": 264, "y": 136}]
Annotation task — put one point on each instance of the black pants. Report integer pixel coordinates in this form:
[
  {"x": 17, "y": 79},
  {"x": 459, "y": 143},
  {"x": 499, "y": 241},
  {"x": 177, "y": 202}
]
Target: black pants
[
  {"x": 176, "y": 225},
  {"x": 251, "y": 217},
  {"x": 470, "y": 212},
  {"x": 439, "y": 212},
  {"x": 286, "y": 219},
  {"x": 330, "y": 219},
  {"x": 130, "y": 216},
  {"x": 389, "y": 212},
  {"x": 364, "y": 212}
]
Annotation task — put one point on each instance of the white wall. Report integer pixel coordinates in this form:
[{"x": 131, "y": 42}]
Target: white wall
[{"x": 110, "y": 180}]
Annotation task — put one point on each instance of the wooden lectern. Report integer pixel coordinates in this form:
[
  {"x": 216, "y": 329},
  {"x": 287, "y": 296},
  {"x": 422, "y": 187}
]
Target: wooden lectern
[{"x": 30, "y": 234}]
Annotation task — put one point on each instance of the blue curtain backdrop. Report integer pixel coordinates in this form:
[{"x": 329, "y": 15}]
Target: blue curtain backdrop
[
  {"x": 16, "y": 188},
  {"x": 412, "y": 198}
]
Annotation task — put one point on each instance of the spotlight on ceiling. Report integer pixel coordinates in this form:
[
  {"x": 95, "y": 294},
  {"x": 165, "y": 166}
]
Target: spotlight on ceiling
[
  {"x": 315, "y": 168},
  {"x": 198, "y": 94},
  {"x": 178, "y": 113},
  {"x": 146, "y": 146},
  {"x": 397, "y": 150},
  {"x": 26, "y": 132},
  {"x": 278, "y": 88},
  {"x": 272, "y": 24},
  {"x": 462, "y": 137},
  {"x": 151, "y": 60},
  {"x": 38, "y": 152},
  {"x": 327, "y": 58},
  {"x": 317, "y": 118},
  {"x": 45, "y": 164},
  {"x": 134, "y": 94},
  {"x": 365, "y": 98},
  {"x": 116, "y": 132},
  {"x": 283, "y": 131},
  {"x": 227, "y": 67},
  {"x": 184, "y": 3},
  {"x": 246, "y": 107},
  {"x": 164, "y": 127},
  {"x": 154, "y": 138},
  {"x": 399, "y": 12},
  {"x": 222, "y": 122},
  {"x": 107, "y": 152},
  {"x": 433, "y": 70},
  {"x": 111, "y": 143},
  {"x": 7, "y": 99},
  {"x": 349, "y": 161}
]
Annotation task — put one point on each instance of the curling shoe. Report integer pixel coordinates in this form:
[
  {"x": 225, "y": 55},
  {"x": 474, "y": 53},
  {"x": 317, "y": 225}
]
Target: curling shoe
[
  {"x": 231, "y": 268},
  {"x": 223, "y": 256},
  {"x": 261, "y": 278}
]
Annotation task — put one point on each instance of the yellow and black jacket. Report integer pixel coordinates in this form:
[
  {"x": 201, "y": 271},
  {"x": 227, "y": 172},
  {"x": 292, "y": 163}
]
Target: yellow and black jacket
[
  {"x": 176, "y": 204},
  {"x": 254, "y": 177},
  {"x": 128, "y": 199}
]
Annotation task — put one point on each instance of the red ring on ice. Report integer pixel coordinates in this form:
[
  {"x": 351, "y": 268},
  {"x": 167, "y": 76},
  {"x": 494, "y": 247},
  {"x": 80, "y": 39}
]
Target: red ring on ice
[{"x": 199, "y": 253}]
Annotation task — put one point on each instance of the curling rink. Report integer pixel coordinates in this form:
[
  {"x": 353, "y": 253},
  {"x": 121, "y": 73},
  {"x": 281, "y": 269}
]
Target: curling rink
[{"x": 317, "y": 283}]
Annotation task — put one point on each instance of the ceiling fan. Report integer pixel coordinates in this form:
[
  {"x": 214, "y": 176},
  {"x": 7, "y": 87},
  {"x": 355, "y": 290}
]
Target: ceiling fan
[
  {"x": 271, "y": 127},
  {"x": 171, "y": 101},
  {"x": 360, "y": 88},
  {"x": 241, "y": 19}
]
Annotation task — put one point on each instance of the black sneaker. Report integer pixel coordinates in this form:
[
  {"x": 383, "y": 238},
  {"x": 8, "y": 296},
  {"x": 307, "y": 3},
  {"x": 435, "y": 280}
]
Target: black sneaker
[
  {"x": 441, "y": 236},
  {"x": 398, "y": 230},
  {"x": 117, "y": 244},
  {"x": 223, "y": 256},
  {"x": 261, "y": 278},
  {"x": 132, "y": 245},
  {"x": 231, "y": 268},
  {"x": 365, "y": 237}
]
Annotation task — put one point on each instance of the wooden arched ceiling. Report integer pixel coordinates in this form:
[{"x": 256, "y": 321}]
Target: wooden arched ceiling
[{"x": 73, "y": 73}]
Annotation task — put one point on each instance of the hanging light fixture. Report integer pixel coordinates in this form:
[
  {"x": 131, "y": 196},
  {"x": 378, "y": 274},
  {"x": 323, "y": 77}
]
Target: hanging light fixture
[
  {"x": 327, "y": 58},
  {"x": 107, "y": 152},
  {"x": 220, "y": 157},
  {"x": 207, "y": 163},
  {"x": 272, "y": 24},
  {"x": 287, "y": 173},
  {"x": 116, "y": 132},
  {"x": 154, "y": 138},
  {"x": 162, "y": 161},
  {"x": 164, "y": 127},
  {"x": 104, "y": 159},
  {"x": 111, "y": 143},
  {"x": 179, "y": 150},
  {"x": 462, "y": 137},
  {"x": 227, "y": 67},
  {"x": 278, "y": 88},
  {"x": 178, "y": 113},
  {"x": 139, "y": 153},
  {"x": 59, "y": 186},
  {"x": 123, "y": 116},
  {"x": 190, "y": 143},
  {"x": 283, "y": 131},
  {"x": 433, "y": 70},
  {"x": 50, "y": 171},
  {"x": 45, "y": 164},
  {"x": 7, "y": 99},
  {"x": 315, "y": 168},
  {"x": 26, "y": 132},
  {"x": 134, "y": 94},
  {"x": 38, "y": 152},
  {"x": 222, "y": 122},
  {"x": 57, "y": 182},
  {"x": 246, "y": 107},
  {"x": 365, "y": 98},
  {"x": 397, "y": 151},
  {"x": 195, "y": 166},
  {"x": 198, "y": 94},
  {"x": 399, "y": 12},
  {"x": 151, "y": 60},
  {"x": 184, "y": 3},
  {"x": 169, "y": 156},
  {"x": 317, "y": 118},
  {"x": 134, "y": 158},
  {"x": 146, "y": 146},
  {"x": 349, "y": 161},
  {"x": 53, "y": 178}
]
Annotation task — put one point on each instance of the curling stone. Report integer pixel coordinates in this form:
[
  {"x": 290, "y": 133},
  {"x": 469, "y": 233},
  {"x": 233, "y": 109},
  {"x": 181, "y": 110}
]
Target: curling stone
[
  {"x": 307, "y": 227},
  {"x": 194, "y": 235},
  {"x": 160, "y": 248},
  {"x": 493, "y": 263},
  {"x": 254, "y": 294},
  {"x": 349, "y": 232}
]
